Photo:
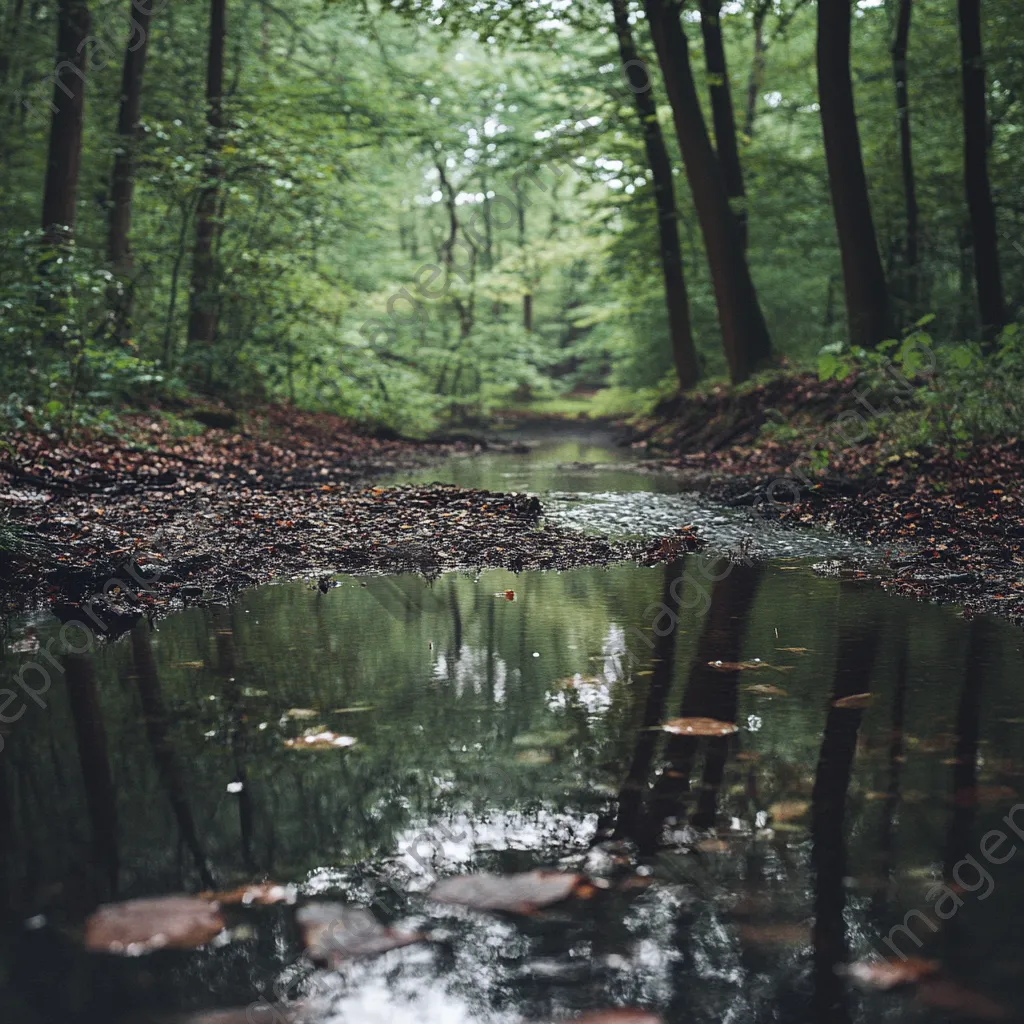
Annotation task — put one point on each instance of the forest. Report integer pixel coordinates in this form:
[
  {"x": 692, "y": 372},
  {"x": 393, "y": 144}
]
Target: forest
[{"x": 415, "y": 213}]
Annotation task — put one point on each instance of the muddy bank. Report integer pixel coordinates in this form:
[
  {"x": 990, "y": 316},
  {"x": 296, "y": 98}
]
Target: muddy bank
[
  {"x": 126, "y": 529},
  {"x": 952, "y": 524}
]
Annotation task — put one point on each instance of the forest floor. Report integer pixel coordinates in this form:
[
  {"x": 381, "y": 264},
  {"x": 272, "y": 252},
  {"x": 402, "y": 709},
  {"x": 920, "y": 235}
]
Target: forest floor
[
  {"x": 147, "y": 522},
  {"x": 953, "y": 524}
]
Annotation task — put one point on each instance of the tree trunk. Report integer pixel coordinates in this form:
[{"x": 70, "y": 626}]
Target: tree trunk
[
  {"x": 756, "y": 69},
  {"x": 122, "y": 182},
  {"x": 684, "y": 353},
  {"x": 899, "y": 65},
  {"x": 979, "y": 192},
  {"x": 744, "y": 332},
  {"x": 202, "y": 323},
  {"x": 68, "y": 107},
  {"x": 867, "y": 299},
  {"x": 722, "y": 113}
]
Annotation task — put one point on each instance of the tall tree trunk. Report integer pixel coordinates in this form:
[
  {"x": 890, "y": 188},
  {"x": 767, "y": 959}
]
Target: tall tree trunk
[
  {"x": 202, "y": 322},
  {"x": 756, "y": 68},
  {"x": 527, "y": 293},
  {"x": 65, "y": 148},
  {"x": 899, "y": 66},
  {"x": 122, "y": 182},
  {"x": 991, "y": 304},
  {"x": 684, "y": 353},
  {"x": 722, "y": 114},
  {"x": 867, "y": 299},
  {"x": 744, "y": 332}
]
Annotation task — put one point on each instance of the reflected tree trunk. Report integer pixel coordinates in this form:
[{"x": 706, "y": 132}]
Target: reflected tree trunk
[
  {"x": 709, "y": 692},
  {"x": 224, "y": 624},
  {"x": 91, "y": 736},
  {"x": 172, "y": 778},
  {"x": 634, "y": 788},
  {"x": 856, "y": 652}
]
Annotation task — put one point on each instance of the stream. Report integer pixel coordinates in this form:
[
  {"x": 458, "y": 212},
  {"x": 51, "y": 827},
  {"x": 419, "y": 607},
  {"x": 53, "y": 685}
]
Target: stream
[{"x": 508, "y": 722}]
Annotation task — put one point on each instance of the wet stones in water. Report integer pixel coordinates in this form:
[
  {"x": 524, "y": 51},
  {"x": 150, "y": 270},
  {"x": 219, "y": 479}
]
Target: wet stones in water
[
  {"x": 333, "y": 933},
  {"x": 515, "y": 894},
  {"x": 142, "y": 926}
]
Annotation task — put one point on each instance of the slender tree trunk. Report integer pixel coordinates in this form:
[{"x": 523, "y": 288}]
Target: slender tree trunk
[
  {"x": 756, "y": 69},
  {"x": 122, "y": 182},
  {"x": 744, "y": 332},
  {"x": 684, "y": 352},
  {"x": 899, "y": 65},
  {"x": 722, "y": 113},
  {"x": 991, "y": 304},
  {"x": 867, "y": 298},
  {"x": 65, "y": 148},
  {"x": 202, "y": 323},
  {"x": 527, "y": 294},
  {"x": 100, "y": 794}
]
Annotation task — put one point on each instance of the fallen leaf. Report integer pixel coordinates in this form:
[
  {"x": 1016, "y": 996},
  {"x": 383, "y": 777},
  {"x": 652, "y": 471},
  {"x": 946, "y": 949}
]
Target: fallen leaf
[
  {"x": 888, "y": 974},
  {"x": 616, "y": 1017},
  {"x": 332, "y": 933},
  {"x": 740, "y": 666},
  {"x": 943, "y": 994},
  {"x": 773, "y": 935},
  {"x": 766, "y": 690},
  {"x": 794, "y": 650},
  {"x": 141, "y": 926},
  {"x": 788, "y": 810},
  {"x": 264, "y": 894},
  {"x": 699, "y": 727},
  {"x": 320, "y": 740},
  {"x": 855, "y": 702},
  {"x": 301, "y": 713},
  {"x": 517, "y": 894}
]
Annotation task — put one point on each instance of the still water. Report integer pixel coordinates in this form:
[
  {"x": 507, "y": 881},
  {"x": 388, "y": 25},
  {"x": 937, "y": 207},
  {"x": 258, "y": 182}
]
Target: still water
[{"x": 505, "y": 722}]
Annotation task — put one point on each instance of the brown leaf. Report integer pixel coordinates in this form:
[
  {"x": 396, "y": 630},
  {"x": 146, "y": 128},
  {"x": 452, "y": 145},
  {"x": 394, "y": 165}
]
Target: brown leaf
[
  {"x": 699, "y": 727},
  {"x": 142, "y": 926},
  {"x": 788, "y": 810},
  {"x": 517, "y": 894},
  {"x": 740, "y": 666},
  {"x": 320, "y": 739},
  {"x": 766, "y": 690},
  {"x": 855, "y": 702},
  {"x": 263, "y": 894},
  {"x": 774, "y": 934},
  {"x": 888, "y": 974},
  {"x": 943, "y": 994},
  {"x": 332, "y": 933}
]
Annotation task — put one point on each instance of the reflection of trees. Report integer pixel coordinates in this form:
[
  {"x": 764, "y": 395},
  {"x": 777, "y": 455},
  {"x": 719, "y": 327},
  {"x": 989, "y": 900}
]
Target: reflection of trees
[
  {"x": 91, "y": 735},
  {"x": 709, "y": 693},
  {"x": 172, "y": 778},
  {"x": 855, "y": 659}
]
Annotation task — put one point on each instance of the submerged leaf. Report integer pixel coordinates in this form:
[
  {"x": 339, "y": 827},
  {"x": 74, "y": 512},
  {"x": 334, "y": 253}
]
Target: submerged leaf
[
  {"x": 264, "y": 894},
  {"x": 888, "y": 974},
  {"x": 332, "y": 933},
  {"x": 943, "y": 994},
  {"x": 517, "y": 894},
  {"x": 699, "y": 727},
  {"x": 787, "y": 810},
  {"x": 323, "y": 739},
  {"x": 766, "y": 690},
  {"x": 855, "y": 702},
  {"x": 142, "y": 926}
]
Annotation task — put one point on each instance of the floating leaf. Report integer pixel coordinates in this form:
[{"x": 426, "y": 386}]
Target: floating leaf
[
  {"x": 517, "y": 894},
  {"x": 766, "y": 690},
  {"x": 320, "y": 740},
  {"x": 742, "y": 666},
  {"x": 794, "y": 650},
  {"x": 774, "y": 934},
  {"x": 332, "y": 933},
  {"x": 301, "y": 713},
  {"x": 888, "y": 974},
  {"x": 699, "y": 727},
  {"x": 943, "y": 994},
  {"x": 855, "y": 702},
  {"x": 264, "y": 894},
  {"x": 788, "y": 810},
  {"x": 142, "y": 926}
]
